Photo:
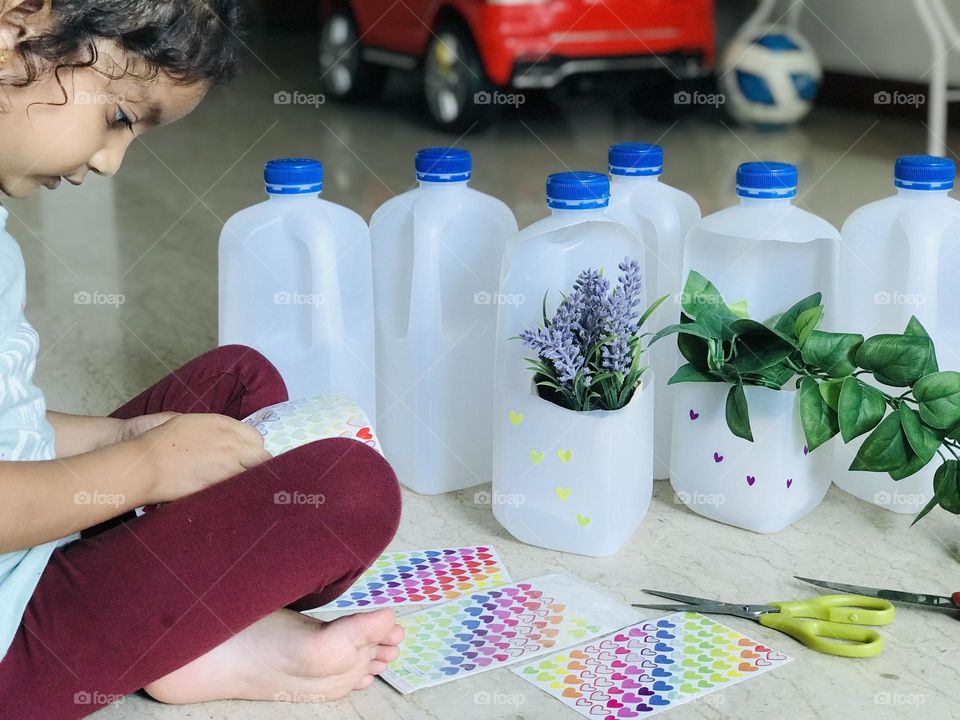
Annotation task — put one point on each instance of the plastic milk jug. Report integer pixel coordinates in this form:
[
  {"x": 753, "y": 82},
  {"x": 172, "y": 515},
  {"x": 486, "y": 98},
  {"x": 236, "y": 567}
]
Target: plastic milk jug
[
  {"x": 436, "y": 265},
  {"x": 296, "y": 284},
  {"x": 901, "y": 257},
  {"x": 662, "y": 215},
  {"x": 770, "y": 254},
  {"x": 576, "y": 481}
]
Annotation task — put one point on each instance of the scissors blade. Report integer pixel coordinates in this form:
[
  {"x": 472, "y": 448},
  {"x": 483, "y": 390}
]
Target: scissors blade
[
  {"x": 893, "y": 595},
  {"x": 751, "y": 612},
  {"x": 684, "y": 598}
]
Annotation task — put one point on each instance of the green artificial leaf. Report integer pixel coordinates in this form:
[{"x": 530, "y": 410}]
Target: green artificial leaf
[
  {"x": 914, "y": 465},
  {"x": 652, "y": 309},
  {"x": 757, "y": 347},
  {"x": 806, "y": 323},
  {"x": 685, "y": 328},
  {"x": 923, "y": 440},
  {"x": 834, "y": 353},
  {"x": 859, "y": 409},
  {"x": 785, "y": 322},
  {"x": 830, "y": 392},
  {"x": 897, "y": 360},
  {"x": 775, "y": 376},
  {"x": 916, "y": 329},
  {"x": 885, "y": 449},
  {"x": 702, "y": 301},
  {"x": 729, "y": 374},
  {"x": 738, "y": 414},
  {"x": 739, "y": 309},
  {"x": 691, "y": 373},
  {"x": 818, "y": 419},
  {"x": 946, "y": 490},
  {"x": 938, "y": 396}
]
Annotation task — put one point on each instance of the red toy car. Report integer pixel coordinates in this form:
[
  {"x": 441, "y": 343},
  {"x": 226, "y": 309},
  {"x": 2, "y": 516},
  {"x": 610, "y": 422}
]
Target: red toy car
[{"x": 474, "y": 52}]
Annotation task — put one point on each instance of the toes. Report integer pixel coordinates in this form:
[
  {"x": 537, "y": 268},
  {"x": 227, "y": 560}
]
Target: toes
[
  {"x": 376, "y": 667},
  {"x": 394, "y": 637},
  {"x": 386, "y": 653},
  {"x": 364, "y": 682}
]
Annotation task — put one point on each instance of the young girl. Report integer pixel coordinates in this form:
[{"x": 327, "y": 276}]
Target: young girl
[{"x": 196, "y": 600}]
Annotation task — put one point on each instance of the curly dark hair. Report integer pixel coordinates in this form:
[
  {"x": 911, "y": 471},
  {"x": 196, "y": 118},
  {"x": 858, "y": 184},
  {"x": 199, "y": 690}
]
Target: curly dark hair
[{"x": 187, "y": 40}]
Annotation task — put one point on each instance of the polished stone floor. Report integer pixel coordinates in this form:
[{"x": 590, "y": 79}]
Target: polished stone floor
[{"x": 150, "y": 236}]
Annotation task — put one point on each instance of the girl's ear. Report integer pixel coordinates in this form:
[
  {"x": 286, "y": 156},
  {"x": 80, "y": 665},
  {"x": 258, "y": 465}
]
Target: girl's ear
[{"x": 19, "y": 20}]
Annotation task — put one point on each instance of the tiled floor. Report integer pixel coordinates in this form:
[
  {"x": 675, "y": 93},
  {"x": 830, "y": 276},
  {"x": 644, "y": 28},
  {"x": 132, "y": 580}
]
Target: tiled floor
[{"x": 151, "y": 234}]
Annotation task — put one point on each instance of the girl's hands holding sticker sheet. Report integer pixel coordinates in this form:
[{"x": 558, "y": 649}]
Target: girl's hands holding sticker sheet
[{"x": 192, "y": 451}]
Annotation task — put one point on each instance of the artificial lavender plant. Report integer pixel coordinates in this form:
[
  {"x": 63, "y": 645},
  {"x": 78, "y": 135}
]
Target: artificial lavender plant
[{"x": 588, "y": 354}]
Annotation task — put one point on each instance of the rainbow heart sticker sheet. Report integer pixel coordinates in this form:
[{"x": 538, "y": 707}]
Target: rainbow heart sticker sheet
[
  {"x": 651, "y": 666},
  {"x": 500, "y": 626},
  {"x": 423, "y": 577}
]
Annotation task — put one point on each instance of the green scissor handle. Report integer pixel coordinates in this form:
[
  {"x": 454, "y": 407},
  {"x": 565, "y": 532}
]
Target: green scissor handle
[
  {"x": 820, "y": 621},
  {"x": 847, "y": 609},
  {"x": 815, "y": 634}
]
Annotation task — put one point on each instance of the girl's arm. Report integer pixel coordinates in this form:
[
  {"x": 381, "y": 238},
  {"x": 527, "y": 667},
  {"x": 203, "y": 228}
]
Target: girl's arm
[
  {"x": 79, "y": 433},
  {"x": 47, "y": 500},
  {"x": 76, "y": 434}
]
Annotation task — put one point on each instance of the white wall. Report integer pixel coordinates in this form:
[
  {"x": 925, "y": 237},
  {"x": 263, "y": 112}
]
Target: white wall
[{"x": 882, "y": 38}]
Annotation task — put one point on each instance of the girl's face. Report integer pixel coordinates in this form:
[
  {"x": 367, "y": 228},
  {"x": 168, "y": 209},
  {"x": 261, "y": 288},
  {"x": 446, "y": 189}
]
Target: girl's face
[{"x": 76, "y": 120}]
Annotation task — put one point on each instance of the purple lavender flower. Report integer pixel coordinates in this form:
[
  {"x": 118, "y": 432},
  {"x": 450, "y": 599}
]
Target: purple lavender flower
[
  {"x": 559, "y": 342},
  {"x": 621, "y": 316}
]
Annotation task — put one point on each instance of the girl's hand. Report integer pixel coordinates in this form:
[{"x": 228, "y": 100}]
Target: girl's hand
[
  {"x": 134, "y": 427},
  {"x": 190, "y": 452}
]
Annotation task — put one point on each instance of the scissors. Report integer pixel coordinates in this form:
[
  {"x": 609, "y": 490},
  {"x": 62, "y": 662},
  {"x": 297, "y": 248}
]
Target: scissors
[
  {"x": 817, "y": 623},
  {"x": 937, "y": 601}
]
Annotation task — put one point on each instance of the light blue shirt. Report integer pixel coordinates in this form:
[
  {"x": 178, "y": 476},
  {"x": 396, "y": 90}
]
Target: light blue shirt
[{"x": 25, "y": 433}]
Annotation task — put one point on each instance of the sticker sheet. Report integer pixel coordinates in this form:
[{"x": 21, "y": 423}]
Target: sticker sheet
[
  {"x": 423, "y": 577},
  {"x": 288, "y": 425},
  {"x": 650, "y": 666},
  {"x": 500, "y": 626}
]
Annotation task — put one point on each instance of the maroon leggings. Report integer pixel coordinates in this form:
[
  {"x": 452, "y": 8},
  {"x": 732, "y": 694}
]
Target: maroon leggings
[{"x": 138, "y": 598}]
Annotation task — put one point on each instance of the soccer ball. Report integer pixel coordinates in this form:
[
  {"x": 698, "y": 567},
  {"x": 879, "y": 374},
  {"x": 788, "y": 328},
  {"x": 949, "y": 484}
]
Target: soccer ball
[{"x": 770, "y": 76}]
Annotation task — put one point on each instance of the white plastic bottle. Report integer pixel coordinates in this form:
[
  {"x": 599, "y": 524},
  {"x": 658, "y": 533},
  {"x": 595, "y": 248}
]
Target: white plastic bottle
[
  {"x": 661, "y": 215},
  {"x": 436, "y": 264},
  {"x": 769, "y": 253},
  {"x": 575, "y": 481},
  {"x": 296, "y": 284},
  {"x": 901, "y": 257}
]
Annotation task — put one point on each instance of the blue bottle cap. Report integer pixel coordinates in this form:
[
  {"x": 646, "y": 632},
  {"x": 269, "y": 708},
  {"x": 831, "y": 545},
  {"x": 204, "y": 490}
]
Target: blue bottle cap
[
  {"x": 635, "y": 159},
  {"x": 443, "y": 164},
  {"x": 292, "y": 176},
  {"x": 578, "y": 190},
  {"x": 923, "y": 172},
  {"x": 767, "y": 180}
]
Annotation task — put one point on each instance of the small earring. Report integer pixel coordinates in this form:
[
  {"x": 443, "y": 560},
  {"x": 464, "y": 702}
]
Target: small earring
[{"x": 4, "y": 57}]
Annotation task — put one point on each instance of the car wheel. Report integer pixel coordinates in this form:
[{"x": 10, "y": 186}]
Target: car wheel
[
  {"x": 456, "y": 87},
  {"x": 344, "y": 74}
]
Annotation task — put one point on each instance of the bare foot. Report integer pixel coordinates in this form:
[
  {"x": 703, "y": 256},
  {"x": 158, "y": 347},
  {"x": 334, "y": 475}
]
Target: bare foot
[{"x": 289, "y": 657}]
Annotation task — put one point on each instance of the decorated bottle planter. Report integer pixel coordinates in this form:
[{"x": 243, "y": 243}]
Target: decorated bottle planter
[
  {"x": 573, "y": 417},
  {"x": 763, "y": 485},
  {"x": 572, "y": 481}
]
